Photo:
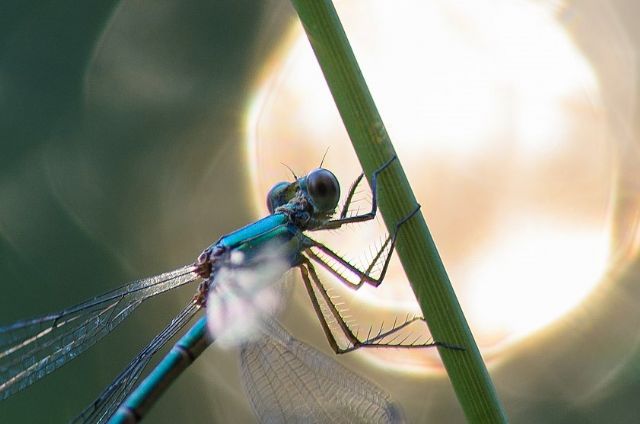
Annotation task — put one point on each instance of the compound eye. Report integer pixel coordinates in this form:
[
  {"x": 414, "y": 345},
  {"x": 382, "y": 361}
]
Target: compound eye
[
  {"x": 324, "y": 189},
  {"x": 277, "y": 196}
]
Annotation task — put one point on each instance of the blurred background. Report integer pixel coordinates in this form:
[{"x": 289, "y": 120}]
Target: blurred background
[{"x": 133, "y": 134}]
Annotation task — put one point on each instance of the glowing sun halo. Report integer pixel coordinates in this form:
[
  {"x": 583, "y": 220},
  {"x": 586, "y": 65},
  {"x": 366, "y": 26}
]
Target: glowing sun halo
[{"x": 497, "y": 120}]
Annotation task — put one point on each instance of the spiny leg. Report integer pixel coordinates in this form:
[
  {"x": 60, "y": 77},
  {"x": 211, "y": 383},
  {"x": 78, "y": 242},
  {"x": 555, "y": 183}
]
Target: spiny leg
[
  {"x": 350, "y": 194},
  {"x": 308, "y": 270},
  {"x": 363, "y": 276},
  {"x": 351, "y": 337},
  {"x": 308, "y": 275},
  {"x": 318, "y": 310},
  {"x": 337, "y": 223}
]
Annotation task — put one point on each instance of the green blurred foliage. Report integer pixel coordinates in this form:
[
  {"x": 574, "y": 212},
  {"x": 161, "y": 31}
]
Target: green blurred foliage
[{"x": 121, "y": 138}]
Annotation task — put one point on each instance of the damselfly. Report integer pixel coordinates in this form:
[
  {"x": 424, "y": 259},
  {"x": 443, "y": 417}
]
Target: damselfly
[{"x": 33, "y": 348}]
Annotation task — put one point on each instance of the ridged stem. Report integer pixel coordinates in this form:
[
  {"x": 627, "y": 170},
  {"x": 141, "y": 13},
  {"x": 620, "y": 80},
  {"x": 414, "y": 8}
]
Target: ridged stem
[{"x": 415, "y": 247}]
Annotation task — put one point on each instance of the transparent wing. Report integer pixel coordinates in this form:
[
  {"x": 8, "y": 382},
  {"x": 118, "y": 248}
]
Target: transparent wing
[
  {"x": 33, "y": 348},
  {"x": 288, "y": 381},
  {"x": 110, "y": 399},
  {"x": 243, "y": 294}
]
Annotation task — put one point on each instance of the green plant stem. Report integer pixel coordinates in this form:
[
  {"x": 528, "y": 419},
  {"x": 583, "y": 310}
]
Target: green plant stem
[{"x": 415, "y": 247}]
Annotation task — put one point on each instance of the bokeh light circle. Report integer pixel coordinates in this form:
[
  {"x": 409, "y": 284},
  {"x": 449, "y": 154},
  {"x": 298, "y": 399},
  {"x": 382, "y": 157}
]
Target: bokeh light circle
[{"x": 498, "y": 121}]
